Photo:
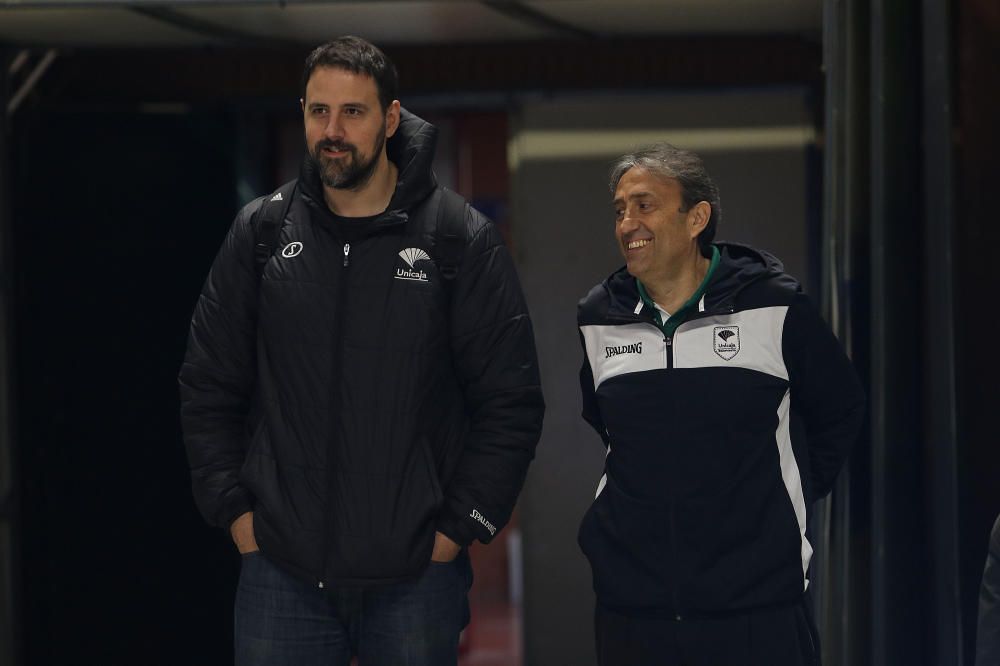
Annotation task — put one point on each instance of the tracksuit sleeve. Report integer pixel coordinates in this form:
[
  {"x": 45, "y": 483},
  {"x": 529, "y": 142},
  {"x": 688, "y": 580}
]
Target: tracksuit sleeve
[
  {"x": 217, "y": 377},
  {"x": 591, "y": 412},
  {"x": 493, "y": 351},
  {"x": 825, "y": 393}
]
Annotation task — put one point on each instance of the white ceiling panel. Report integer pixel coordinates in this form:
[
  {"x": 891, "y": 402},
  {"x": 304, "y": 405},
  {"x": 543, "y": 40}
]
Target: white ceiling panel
[
  {"x": 648, "y": 17},
  {"x": 116, "y": 26}
]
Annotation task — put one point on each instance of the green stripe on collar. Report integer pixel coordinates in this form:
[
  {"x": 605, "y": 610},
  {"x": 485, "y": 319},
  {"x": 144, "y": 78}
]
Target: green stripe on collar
[{"x": 678, "y": 318}]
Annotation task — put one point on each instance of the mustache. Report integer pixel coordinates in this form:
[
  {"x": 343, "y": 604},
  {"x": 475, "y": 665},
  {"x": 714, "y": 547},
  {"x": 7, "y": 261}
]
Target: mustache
[{"x": 333, "y": 145}]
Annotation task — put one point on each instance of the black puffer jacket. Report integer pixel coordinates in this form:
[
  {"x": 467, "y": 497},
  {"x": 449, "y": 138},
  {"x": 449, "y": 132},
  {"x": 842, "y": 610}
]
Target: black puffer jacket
[{"x": 354, "y": 400}]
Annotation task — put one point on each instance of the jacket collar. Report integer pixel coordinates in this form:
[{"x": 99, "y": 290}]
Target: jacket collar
[{"x": 738, "y": 267}]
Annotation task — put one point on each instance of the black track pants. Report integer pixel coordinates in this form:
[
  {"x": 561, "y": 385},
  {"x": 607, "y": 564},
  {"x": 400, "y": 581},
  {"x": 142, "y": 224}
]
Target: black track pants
[{"x": 782, "y": 636}]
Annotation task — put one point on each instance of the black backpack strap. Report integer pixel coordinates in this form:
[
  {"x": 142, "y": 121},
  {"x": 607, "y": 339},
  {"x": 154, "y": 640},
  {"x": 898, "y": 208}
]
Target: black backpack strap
[
  {"x": 267, "y": 223},
  {"x": 450, "y": 233}
]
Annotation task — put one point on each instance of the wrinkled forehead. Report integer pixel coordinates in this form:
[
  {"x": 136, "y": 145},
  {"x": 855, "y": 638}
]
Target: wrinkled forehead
[{"x": 641, "y": 180}]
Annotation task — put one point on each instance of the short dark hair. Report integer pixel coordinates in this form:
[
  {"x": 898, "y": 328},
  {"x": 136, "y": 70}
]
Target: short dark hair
[
  {"x": 687, "y": 169},
  {"x": 360, "y": 57}
]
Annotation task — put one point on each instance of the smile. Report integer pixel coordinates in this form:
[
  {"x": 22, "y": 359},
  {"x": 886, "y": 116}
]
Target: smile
[{"x": 642, "y": 242}]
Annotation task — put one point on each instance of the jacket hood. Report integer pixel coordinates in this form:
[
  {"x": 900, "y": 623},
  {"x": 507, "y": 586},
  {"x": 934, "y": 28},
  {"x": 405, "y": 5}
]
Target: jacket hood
[
  {"x": 411, "y": 149},
  {"x": 739, "y": 267}
]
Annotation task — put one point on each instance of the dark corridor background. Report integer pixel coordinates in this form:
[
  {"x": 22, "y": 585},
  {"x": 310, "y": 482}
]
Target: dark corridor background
[{"x": 118, "y": 217}]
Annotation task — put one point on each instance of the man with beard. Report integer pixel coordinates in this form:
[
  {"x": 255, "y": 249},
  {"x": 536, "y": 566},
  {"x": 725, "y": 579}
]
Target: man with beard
[
  {"x": 727, "y": 407},
  {"x": 362, "y": 402}
]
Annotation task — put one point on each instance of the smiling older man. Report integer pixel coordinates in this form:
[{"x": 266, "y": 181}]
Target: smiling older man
[{"x": 727, "y": 407}]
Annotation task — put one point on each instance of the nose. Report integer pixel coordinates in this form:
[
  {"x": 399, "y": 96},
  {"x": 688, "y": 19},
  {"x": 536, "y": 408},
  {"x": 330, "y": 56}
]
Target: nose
[
  {"x": 627, "y": 223},
  {"x": 334, "y": 127}
]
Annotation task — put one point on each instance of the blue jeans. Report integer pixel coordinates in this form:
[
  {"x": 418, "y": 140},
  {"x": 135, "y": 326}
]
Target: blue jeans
[{"x": 281, "y": 620}]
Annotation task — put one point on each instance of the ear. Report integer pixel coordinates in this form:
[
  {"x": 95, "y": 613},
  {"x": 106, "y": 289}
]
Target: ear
[
  {"x": 392, "y": 118},
  {"x": 697, "y": 218}
]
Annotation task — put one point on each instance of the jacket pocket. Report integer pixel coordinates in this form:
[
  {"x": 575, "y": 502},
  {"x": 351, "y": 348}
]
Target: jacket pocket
[
  {"x": 383, "y": 524},
  {"x": 626, "y": 542}
]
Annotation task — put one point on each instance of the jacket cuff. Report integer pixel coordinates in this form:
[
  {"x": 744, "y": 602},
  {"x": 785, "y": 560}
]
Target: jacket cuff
[
  {"x": 233, "y": 509},
  {"x": 463, "y": 530}
]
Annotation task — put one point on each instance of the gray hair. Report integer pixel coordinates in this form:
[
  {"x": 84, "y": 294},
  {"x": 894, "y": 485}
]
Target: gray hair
[{"x": 687, "y": 169}]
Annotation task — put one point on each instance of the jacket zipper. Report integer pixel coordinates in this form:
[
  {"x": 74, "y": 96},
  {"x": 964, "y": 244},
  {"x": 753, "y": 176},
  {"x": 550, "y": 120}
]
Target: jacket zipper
[
  {"x": 668, "y": 352},
  {"x": 337, "y": 398}
]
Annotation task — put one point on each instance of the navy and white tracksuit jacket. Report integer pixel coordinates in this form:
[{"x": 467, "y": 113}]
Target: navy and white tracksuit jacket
[{"x": 719, "y": 436}]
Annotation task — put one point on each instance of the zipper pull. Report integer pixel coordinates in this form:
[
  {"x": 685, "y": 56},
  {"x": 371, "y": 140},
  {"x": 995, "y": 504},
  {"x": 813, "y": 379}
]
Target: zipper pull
[
  {"x": 347, "y": 251},
  {"x": 669, "y": 340}
]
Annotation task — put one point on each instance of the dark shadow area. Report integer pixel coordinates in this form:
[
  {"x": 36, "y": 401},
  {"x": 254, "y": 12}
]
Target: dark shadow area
[{"x": 117, "y": 218}]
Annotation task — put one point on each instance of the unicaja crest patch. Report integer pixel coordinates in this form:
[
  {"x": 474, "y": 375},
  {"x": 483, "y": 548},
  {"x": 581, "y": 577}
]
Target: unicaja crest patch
[
  {"x": 411, "y": 256},
  {"x": 726, "y": 341}
]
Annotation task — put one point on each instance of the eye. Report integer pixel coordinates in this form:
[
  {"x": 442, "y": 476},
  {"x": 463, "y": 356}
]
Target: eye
[
  {"x": 319, "y": 110},
  {"x": 352, "y": 111}
]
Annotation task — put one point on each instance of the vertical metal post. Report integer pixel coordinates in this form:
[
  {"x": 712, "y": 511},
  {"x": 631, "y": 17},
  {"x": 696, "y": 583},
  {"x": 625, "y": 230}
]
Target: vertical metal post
[
  {"x": 889, "y": 188},
  {"x": 900, "y": 557},
  {"x": 845, "y": 205},
  {"x": 825, "y": 560},
  {"x": 880, "y": 429},
  {"x": 939, "y": 395},
  {"x": 8, "y": 469}
]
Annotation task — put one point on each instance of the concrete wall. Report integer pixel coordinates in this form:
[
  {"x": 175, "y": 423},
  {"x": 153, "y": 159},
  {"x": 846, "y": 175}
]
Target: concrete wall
[{"x": 754, "y": 145}]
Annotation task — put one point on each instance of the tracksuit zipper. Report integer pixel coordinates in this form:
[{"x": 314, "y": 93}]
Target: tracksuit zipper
[
  {"x": 668, "y": 352},
  {"x": 338, "y": 340}
]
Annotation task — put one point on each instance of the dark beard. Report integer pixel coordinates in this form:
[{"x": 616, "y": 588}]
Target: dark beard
[{"x": 356, "y": 173}]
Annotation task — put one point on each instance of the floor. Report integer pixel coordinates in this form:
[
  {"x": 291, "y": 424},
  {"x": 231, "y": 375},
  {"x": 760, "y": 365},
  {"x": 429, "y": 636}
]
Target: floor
[{"x": 493, "y": 637}]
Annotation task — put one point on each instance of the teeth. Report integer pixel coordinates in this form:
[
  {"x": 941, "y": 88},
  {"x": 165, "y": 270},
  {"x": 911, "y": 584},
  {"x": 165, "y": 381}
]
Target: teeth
[{"x": 638, "y": 243}]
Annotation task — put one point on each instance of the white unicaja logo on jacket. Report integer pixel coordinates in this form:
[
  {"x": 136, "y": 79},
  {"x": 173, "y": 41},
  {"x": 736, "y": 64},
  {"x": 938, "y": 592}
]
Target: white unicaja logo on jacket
[
  {"x": 410, "y": 257},
  {"x": 292, "y": 250}
]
